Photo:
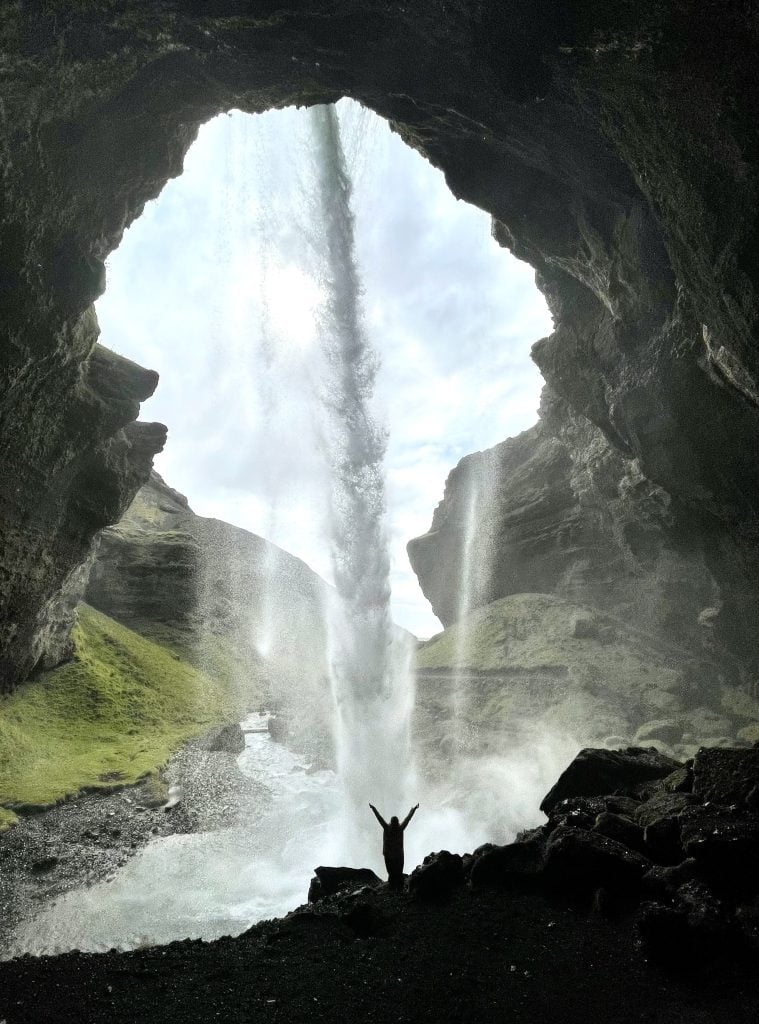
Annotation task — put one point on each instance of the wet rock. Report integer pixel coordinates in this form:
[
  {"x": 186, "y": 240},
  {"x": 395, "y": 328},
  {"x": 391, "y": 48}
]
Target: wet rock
[
  {"x": 576, "y": 860},
  {"x": 227, "y": 738},
  {"x": 595, "y": 772},
  {"x": 578, "y": 811},
  {"x": 621, "y": 804},
  {"x": 506, "y": 866},
  {"x": 681, "y": 780},
  {"x": 725, "y": 848},
  {"x": 663, "y": 840},
  {"x": 664, "y": 881},
  {"x": 437, "y": 876},
  {"x": 330, "y": 880},
  {"x": 725, "y": 776},
  {"x": 662, "y": 805},
  {"x": 621, "y": 829}
]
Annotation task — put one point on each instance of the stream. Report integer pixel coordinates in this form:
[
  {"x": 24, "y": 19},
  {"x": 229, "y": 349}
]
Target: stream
[{"x": 212, "y": 883}]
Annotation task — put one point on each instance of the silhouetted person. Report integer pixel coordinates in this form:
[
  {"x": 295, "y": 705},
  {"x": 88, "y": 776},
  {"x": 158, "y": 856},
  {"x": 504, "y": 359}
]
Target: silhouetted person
[{"x": 392, "y": 845}]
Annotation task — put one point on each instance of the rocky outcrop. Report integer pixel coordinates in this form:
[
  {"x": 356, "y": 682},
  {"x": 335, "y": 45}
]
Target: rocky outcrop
[
  {"x": 614, "y": 145},
  {"x": 529, "y": 667},
  {"x": 69, "y": 469},
  {"x": 559, "y": 510},
  {"x": 224, "y": 599},
  {"x": 696, "y": 899}
]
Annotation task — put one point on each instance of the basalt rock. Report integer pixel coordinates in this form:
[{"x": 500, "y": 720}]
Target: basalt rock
[
  {"x": 437, "y": 876},
  {"x": 597, "y": 772},
  {"x": 615, "y": 147},
  {"x": 330, "y": 880},
  {"x": 725, "y": 776}
]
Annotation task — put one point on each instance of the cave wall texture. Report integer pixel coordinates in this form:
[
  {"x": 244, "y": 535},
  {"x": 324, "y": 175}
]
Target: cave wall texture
[{"x": 615, "y": 146}]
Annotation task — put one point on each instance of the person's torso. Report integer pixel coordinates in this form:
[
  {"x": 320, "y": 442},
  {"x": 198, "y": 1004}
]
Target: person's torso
[{"x": 392, "y": 843}]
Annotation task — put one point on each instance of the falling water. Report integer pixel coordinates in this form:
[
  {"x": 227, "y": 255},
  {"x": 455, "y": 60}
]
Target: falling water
[{"x": 369, "y": 661}]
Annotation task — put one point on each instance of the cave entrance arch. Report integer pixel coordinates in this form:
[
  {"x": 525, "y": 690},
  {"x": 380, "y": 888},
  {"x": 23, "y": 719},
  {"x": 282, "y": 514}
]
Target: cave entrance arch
[{"x": 211, "y": 286}]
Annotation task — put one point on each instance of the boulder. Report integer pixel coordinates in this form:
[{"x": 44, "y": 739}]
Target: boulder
[
  {"x": 330, "y": 880},
  {"x": 576, "y": 860},
  {"x": 694, "y": 930},
  {"x": 595, "y": 772},
  {"x": 437, "y": 875},
  {"x": 725, "y": 848},
  {"x": 662, "y": 805},
  {"x": 506, "y": 866},
  {"x": 664, "y": 881},
  {"x": 621, "y": 829},
  {"x": 663, "y": 840},
  {"x": 578, "y": 811},
  {"x": 229, "y": 739},
  {"x": 725, "y": 776}
]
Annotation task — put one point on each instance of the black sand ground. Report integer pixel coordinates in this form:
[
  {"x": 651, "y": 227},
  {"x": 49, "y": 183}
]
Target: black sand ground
[{"x": 381, "y": 956}]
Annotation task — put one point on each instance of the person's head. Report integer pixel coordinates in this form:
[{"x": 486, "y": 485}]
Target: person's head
[{"x": 394, "y": 820}]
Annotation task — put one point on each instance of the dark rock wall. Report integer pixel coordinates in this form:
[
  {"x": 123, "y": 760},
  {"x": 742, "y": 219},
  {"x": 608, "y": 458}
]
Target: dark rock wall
[
  {"x": 615, "y": 145},
  {"x": 559, "y": 510}
]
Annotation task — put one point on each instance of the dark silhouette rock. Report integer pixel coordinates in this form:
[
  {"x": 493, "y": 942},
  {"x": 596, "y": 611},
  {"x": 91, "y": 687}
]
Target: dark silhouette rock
[
  {"x": 437, "y": 875},
  {"x": 579, "y": 811},
  {"x": 664, "y": 881},
  {"x": 726, "y": 849},
  {"x": 595, "y": 772},
  {"x": 623, "y": 830},
  {"x": 662, "y": 805},
  {"x": 507, "y": 866},
  {"x": 725, "y": 776},
  {"x": 330, "y": 880},
  {"x": 576, "y": 860},
  {"x": 663, "y": 840}
]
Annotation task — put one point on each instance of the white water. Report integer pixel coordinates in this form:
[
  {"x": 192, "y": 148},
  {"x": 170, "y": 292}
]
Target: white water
[
  {"x": 369, "y": 660},
  {"x": 212, "y": 883},
  {"x": 220, "y": 883}
]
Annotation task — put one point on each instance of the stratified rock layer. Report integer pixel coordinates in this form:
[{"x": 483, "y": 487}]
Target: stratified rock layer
[
  {"x": 558, "y": 510},
  {"x": 223, "y": 598},
  {"x": 615, "y": 145}
]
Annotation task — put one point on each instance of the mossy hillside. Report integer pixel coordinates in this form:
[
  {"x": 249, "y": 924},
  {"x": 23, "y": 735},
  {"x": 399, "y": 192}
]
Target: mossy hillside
[
  {"x": 539, "y": 630},
  {"x": 112, "y": 715},
  {"x": 532, "y": 659}
]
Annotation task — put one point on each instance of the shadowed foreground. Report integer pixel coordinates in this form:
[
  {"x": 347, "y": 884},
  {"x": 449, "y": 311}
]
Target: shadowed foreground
[{"x": 379, "y": 956}]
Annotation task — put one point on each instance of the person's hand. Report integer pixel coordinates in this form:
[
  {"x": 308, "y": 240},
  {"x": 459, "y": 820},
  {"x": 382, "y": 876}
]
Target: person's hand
[{"x": 417, "y": 807}]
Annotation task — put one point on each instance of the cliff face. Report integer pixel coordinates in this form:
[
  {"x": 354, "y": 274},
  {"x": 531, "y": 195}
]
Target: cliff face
[
  {"x": 223, "y": 599},
  {"x": 557, "y": 510},
  {"x": 615, "y": 146}
]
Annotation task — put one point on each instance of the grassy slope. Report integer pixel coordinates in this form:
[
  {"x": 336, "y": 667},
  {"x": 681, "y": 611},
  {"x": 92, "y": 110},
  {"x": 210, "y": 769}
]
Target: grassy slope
[
  {"x": 113, "y": 714},
  {"x": 607, "y": 677},
  {"x": 616, "y": 677},
  {"x": 534, "y": 630}
]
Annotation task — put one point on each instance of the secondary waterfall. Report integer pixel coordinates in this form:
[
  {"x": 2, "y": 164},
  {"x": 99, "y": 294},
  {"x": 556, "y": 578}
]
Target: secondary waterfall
[{"x": 371, "y": 683}]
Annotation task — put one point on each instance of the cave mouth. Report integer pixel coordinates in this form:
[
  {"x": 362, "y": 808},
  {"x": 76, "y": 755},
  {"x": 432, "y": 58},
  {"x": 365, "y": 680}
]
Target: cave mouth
[
  {"x": 209, "y": 288},
  {"x": 452, "y": 316}
]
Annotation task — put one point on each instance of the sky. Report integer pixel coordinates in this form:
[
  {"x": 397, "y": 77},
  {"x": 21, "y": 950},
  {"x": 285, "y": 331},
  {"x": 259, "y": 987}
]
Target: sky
[{"x": 213, "y": 288}]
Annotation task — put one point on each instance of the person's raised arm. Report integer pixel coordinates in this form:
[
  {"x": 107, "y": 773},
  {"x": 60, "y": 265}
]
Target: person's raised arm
[
  {"x": 409, "y": 816},
  {"x": 378, "y": 816}
]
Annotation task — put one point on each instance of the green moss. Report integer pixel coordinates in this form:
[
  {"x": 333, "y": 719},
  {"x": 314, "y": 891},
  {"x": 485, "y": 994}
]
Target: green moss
[
  {"x": 584, "y": 666},
  {"x": 7, "y": 819},
  {"x": 112, "y": 715}
]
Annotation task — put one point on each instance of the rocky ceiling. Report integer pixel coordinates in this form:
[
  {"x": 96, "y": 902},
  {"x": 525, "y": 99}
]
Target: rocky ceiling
[{"x": 615, "y": 145}]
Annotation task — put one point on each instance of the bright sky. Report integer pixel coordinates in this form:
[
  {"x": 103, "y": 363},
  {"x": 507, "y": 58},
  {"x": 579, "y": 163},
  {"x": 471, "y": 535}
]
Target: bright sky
[{"x": 452, "y": 315}]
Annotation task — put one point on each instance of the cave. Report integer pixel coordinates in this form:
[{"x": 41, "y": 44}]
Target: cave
[{"x": 614, "y": 146}]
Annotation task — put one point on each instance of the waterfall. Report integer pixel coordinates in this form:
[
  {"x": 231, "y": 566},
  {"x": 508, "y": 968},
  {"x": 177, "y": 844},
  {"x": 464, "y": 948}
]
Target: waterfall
[{"x": 368, "y": 658}]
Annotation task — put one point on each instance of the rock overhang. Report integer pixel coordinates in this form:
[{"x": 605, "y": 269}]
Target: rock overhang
[{"x": 613, "y": 148}]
